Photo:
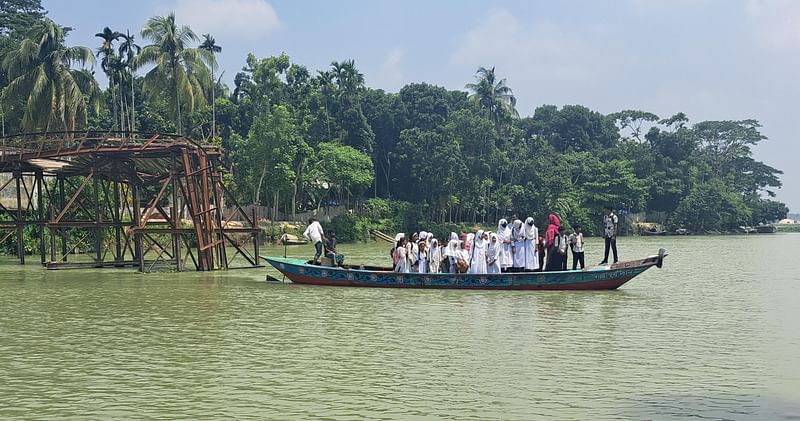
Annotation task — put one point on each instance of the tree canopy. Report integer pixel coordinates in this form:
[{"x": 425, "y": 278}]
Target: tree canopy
[{"x": 297, "y": 139}]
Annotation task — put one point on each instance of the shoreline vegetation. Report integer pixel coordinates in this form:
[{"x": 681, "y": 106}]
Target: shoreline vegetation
[{"x": 298, "y": 140}]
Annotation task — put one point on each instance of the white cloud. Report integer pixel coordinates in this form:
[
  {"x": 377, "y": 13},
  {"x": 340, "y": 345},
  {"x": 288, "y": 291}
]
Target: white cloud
[
  {"x": 249, "y": 19},
  {"x": 390, "y": 74},
  {"x": 542, "y": 61},
  {"x": 538, "y": 48},
  {"x": 777, "y": 22}
]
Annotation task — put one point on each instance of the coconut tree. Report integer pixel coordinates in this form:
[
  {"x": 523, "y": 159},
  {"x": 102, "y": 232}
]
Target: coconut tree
[
  {"x": 178, "y": 69},
  {"x": 128, "y": 49},
  {"x": 40, "y": 72},
  {"x": 493, "y": 95},
  {"x": 109, "y": 62},
  {"x": 210, "y": 45}
]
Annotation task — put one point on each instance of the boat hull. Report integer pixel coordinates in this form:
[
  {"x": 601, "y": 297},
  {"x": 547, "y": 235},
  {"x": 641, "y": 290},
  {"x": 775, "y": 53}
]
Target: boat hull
[{"x": 599, "y": 278}]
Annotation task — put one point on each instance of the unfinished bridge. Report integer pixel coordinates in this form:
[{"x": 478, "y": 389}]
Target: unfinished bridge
[{"x": 121, "y": 199}]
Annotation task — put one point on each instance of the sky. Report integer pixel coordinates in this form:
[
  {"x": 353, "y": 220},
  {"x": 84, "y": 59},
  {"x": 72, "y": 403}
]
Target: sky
[{"x": 711, "y": 59}]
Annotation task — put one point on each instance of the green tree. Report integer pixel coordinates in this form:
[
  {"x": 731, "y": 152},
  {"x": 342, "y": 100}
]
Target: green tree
[
  {"x": 128, "y": 50},
  {"x": 179, "y": 71},
  {"x": 55, "y": 95},
  {"x": 634, "y": 120},
  {"x": 346, "y": 170},
  {"x": 210, "y": 45},
  {"x": 711, "y": 206},
  {"x": 110, "y": 64},
  {"x": 268, "y": 154},
  {"x": 494, "y": 96},
  {"x": 573, "y": 127}
]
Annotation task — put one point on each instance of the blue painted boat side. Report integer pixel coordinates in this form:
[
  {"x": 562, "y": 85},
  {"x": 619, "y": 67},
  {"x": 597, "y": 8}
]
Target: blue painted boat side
[{"x": 602, "y": 277}]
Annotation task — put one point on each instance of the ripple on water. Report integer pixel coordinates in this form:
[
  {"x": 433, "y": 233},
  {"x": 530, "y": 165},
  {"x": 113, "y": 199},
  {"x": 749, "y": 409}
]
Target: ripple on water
[{"x": 703, "y": 338}]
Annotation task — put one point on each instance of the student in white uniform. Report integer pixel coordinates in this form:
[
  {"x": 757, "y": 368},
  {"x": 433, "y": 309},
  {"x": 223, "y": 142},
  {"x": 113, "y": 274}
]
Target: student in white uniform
[
  {"x": 518, "y": 235},
  {"x": 493, "y": 253},
  {"x": 576, "y": 241},
  {"x": 401, "y": 255},
  {"x": 505, "y": 257},
  {"x": 531, "y": 237},
  {"x": 478, "y": 253},
  {"x": 434, "y": 257}
]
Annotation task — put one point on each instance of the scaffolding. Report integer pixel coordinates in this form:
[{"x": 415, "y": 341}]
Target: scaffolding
[{"x": 124, "y": 199}]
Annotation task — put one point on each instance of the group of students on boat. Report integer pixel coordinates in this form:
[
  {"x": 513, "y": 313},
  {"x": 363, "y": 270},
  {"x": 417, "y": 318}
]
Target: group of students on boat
[{"x": 514, "y": 247}]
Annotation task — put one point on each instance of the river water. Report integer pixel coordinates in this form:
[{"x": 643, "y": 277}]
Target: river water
[{"x": 715, "y": 334}]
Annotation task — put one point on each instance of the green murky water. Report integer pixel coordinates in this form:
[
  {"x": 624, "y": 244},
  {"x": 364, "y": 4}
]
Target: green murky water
[{"x": 715, "y": 334}]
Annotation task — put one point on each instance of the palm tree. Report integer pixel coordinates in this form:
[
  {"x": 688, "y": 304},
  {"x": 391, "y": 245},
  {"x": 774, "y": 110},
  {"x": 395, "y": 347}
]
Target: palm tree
[
  {"x": 129, "y": 49},
  {"x": 109, "y": 62},
  {"x": 349, "y": 80},
  {"x": 493, "y": 96},
  {"x": 327, "y": 88},
  {"x": 209, "y": 44},
  {"x": 178, "y": 68},
  {"x": 55, "y": 95}
]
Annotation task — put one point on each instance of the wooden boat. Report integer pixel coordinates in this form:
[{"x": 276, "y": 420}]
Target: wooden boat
[
  {"x": 381, "y": 236},
  {"x": 292, "y": 240},
  {"x": 652, "y": 232},
  {"x": 766, "y": 229},
  {"x": 595, "y": 278}
]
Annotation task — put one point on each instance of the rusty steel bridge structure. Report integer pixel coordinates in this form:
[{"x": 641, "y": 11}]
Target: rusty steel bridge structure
[{"x": 122, "y": 199}]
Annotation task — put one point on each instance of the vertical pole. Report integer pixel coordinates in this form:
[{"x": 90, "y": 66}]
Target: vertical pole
[
  {"x": 216, "y": 182},
  {"x": 206, "y": 216},
  {"x": 62, "y": 231},
  {"x": 137, "y": 219},
  {"x": 40, "y": 215},
  {"x": 52, "y": 236},
  {"x": 204, "y": 262},
  {"x": 98, "y": 218},
  {"x": 20, "y": 222},
  {"x": 176, "y": 219},
  {"x": 255, "y": 234},
  {"x": 117, "y": 224}
]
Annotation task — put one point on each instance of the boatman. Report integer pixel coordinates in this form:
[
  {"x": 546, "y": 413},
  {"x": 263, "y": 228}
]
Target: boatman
[
  {"x": 315, "y": 234},
  {"x": 330, "y": 249},
  {"x": 610, "y": 231}
]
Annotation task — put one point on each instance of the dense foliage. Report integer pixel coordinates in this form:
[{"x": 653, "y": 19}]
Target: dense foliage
[{"x": 298, "y": 140}]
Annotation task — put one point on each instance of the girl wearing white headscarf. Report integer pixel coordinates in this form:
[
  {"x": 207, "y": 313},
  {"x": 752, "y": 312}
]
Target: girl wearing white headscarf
[
  {"x": 434, "y": 257},
  {"x": 505, "y": 257},
  {"x": 451, "y": 252},
  {"x": 493, "y": 252},
  {"x": 518, "y": 236},
  {"x": 469, "y": 240},
  {"x": 401, "y": 254},
  {"x": 413, "y": 252},
  {"x": 462, "y": 254},
  {"x": 531, "y": 237},
  {"x": 423, "y": 257},
  {"x": 478, "y": 253}
]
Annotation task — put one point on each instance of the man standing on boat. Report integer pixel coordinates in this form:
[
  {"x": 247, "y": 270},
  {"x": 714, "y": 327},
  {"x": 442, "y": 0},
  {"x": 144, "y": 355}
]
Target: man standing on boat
[
  {"x": 315, "y": 234},
  {"x": 610, "y": 231}
]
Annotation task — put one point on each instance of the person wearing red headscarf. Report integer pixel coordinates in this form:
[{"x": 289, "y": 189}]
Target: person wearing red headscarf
[
  {"x": 552, "y": 230},
  {"x": 553, "y": 240}
]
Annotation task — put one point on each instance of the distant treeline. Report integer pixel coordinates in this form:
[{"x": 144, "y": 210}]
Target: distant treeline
[{"x": 298, "y": 139}]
